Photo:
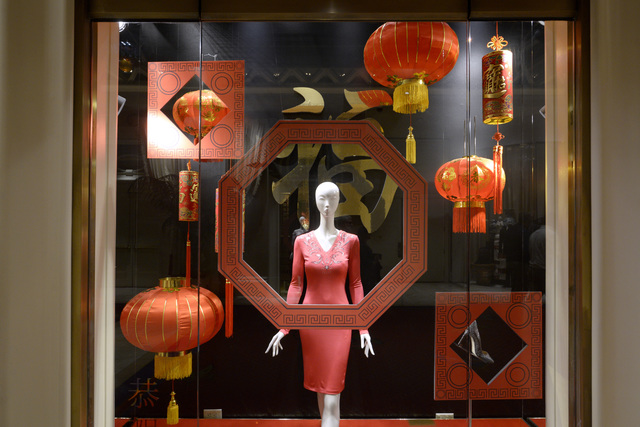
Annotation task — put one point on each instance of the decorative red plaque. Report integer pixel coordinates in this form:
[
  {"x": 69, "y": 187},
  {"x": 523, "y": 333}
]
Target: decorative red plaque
[
  {"x": 166, "y": 81},
  {"x": 510, "y": 327},
  {"x": 390, "y": 288}
]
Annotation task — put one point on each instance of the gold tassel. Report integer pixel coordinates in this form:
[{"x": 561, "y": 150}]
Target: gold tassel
[
  {"x": 411, "y": 96},
  {"x": 173, "y": 415},
  {"x": 170, "y": 366},
  {"x": 411, "y": 146}
]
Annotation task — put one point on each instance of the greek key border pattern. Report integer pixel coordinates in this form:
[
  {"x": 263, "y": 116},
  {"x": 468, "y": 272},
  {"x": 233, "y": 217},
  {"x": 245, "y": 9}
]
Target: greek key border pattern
[
  {"x": 531, "y": 359},
  {"x": 258, "y": 159}
]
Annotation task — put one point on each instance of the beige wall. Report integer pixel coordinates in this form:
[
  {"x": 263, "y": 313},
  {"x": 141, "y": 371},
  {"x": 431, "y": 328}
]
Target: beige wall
[
  {"x": 36, "y": 64},
  {"x": 615, "y": 99}
]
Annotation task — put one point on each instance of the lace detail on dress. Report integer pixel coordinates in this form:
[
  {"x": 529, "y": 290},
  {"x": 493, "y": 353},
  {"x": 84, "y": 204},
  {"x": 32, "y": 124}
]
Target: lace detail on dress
[{"x": 335, "y": 255}]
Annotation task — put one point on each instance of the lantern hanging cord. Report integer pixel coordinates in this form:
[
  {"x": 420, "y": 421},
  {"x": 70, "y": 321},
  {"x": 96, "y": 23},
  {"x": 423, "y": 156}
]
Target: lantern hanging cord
[
  {"x": 498, "y": 136},
  {"x": 497, "y": 42},
  {"x": 474, "y": 136}
]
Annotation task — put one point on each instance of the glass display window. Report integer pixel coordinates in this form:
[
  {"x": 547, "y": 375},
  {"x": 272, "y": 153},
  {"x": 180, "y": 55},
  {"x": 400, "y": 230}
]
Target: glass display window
[{"x": 442, "y": 139}]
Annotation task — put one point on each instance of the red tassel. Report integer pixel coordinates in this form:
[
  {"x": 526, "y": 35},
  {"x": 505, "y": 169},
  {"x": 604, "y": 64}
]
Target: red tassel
[
  {"x": 469, "y": 217},
  {"x": 188, "y": 272},
  {"x": 228, "y": 299},
  {"x": 497, "y": 173}
]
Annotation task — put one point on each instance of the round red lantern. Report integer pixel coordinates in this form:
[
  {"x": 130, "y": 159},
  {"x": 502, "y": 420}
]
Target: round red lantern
[
  {"x": 191, "y": 112},
  {"x": 374, "y": 98},
  {"x": 409, "y": 56},
  {"x": 469, "y": 182},
  {"x": 169, "y": 321}
]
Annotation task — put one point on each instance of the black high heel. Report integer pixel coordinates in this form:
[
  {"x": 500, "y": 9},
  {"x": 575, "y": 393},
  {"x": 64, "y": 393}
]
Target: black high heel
[{"x": 474, "y": 343}]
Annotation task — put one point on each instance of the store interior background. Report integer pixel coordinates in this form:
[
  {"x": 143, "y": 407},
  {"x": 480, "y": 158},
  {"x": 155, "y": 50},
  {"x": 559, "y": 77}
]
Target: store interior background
[{"x": 36, "y": 213}]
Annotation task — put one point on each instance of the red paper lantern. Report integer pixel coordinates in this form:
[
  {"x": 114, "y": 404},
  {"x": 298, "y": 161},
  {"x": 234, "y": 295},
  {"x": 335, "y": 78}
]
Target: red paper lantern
[
  {"x": 469, "y": 182},
  {"x": 409, "y": 56},
  {"x": 190, "y": 113},
  {"x": 166, "y": 320},
  {"x": 374, "y": 98}
]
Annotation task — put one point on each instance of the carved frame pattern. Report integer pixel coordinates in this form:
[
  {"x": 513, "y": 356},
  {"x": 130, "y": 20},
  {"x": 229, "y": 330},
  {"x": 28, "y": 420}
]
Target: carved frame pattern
[{"x": 230, "y": 260}]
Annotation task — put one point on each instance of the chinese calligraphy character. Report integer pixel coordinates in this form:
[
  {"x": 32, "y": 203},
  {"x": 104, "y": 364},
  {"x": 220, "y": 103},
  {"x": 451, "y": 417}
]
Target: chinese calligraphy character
[
  {"x": 495, "y": 84},
  {"x": 355, "y": 162},
  {"x": 143, "y": 393}
]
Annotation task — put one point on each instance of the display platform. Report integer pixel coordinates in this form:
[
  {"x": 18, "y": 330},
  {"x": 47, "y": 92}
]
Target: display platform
[{"x": 120, "y": 422}]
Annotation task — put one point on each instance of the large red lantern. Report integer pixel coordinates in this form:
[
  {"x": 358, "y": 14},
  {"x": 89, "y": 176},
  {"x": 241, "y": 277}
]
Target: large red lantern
[
  {"x": 409, "y": 56},
  {"x": 469, "y": 182},
  {"x": 192, "y": 112},
  {"x": 169, "y": 320}
]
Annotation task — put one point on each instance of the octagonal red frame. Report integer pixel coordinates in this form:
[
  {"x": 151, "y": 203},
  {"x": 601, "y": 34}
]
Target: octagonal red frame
[{"x": 388, "y": 290}]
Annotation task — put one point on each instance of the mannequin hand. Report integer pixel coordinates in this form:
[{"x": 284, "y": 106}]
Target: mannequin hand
[
  {"x": 365, "y": 343},
  {"x": 275, "y": 345}
]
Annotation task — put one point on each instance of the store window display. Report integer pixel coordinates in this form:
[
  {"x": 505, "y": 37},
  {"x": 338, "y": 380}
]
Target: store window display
[{"x": 368, "y": 225}]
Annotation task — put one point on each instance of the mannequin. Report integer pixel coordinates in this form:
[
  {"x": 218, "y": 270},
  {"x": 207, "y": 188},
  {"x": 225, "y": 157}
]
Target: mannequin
[{"x": 327, "y": 256}]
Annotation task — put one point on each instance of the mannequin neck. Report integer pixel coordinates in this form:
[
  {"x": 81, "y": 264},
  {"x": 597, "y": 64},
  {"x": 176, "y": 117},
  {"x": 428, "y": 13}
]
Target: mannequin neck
[
  {"x": 326, "y": 232},
  {"x": 327, "y": 226}
]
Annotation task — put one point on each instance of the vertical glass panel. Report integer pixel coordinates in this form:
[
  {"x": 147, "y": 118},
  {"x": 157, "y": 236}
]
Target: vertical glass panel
[
  {"x": 464, "y": 338},
  {"x": 506, "y": 334},
  {"x": 157, "y": 329}
]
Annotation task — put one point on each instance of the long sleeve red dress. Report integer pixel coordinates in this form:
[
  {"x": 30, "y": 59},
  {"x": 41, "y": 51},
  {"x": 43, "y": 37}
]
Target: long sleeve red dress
[{"x": 325, "y": 351}]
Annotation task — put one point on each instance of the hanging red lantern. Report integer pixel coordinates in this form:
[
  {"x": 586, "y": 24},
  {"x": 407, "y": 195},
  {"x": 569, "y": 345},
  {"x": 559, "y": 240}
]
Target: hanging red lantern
[
  {"x": 497, "y": 87},
  {"x": 192, "y": 112},
  {"x": 409, "y": 56},
  {"x": 165, "y": 320},
  {"x": 374, "y": 98},
  {"x": 497, "y": 101},
  {"x": 189, "y": 183},
  {"x": 188, "y": 207},
  {"x": 469, "y": 183},
  {"x": 170, "y": 320}
]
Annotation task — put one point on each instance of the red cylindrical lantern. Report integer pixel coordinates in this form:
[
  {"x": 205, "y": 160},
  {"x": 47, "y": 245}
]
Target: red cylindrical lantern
[
  {"x": 410, "y": 56},
  {"x": 497, "y": 87},
  {"x": 189, "y": 184},
  {"x": 191, "y": 112},
  {"x": 170, "y": 320},
  {"x": 469, "y": 183}
]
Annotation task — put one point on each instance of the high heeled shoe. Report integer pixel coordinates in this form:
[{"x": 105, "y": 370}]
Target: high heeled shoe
[{"x": 475, "y": 343}]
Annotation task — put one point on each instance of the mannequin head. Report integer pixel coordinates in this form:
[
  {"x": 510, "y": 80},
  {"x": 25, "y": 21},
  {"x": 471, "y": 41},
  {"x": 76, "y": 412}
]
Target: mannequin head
[{"x": 327, "y": 199}]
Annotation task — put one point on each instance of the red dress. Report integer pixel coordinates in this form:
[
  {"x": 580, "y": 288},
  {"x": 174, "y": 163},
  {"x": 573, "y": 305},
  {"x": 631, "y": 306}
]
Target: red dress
[{"x": 325, "y": 351}]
